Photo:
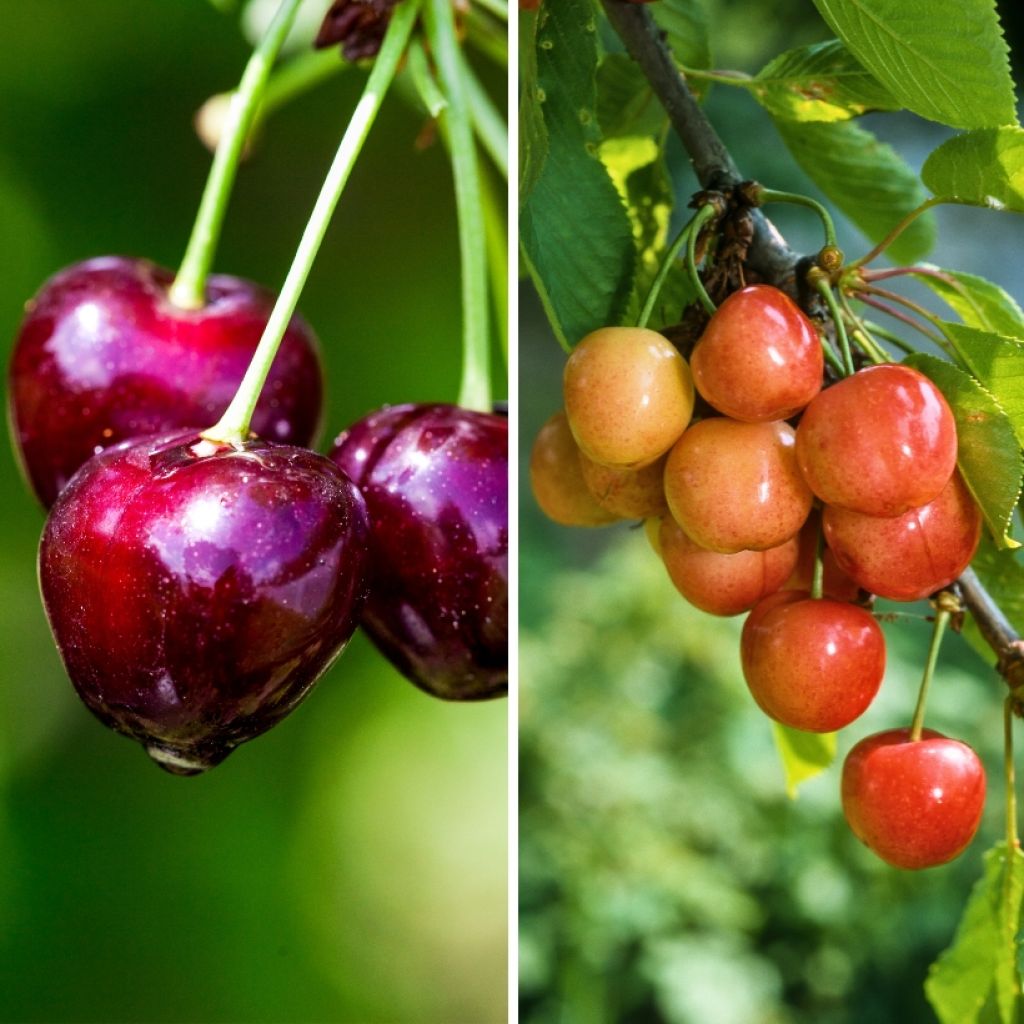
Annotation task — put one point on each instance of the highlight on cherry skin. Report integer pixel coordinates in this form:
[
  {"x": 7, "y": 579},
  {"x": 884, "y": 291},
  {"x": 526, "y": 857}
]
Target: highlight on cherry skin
[
  {"x": 628, "y": 395},
  {"x": 812, "y": 664},
  {"x": 102, "y": 356},
  {"x": 759, "y": 357},
  {"x": 880, "y": 442},
  {"x": 435, "y": 480},
  {"x": 197, "y": 591},
  {"x": 916, "y": 804}
]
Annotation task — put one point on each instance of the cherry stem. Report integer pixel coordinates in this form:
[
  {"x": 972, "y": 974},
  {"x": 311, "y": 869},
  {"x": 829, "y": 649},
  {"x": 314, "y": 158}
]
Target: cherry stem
[
  {"x": 818, "y": 577},
  {"x": 912, "y": 271},
  {"x": 703, "y": 215},
  {"x": 666, "y": 265},
  {"x": 893, "y": 339},
  {"x": 740, "y": 78},
  {"x": 1012, "y": 840},
  {"x": 941, "y": 621},
  {"x": 488, "y": 123},
  {"x": 896, "y": 314},
  {"x": 862, "y": 335},
  {"x": 487, "y": 34},
  {"x": 188, "y": 290},
  {"x": 499, "y": 8},
  {"x": 900, "y": 227},
  {"x": 497, "y": 254},
  {"x": 233, "y": 426},
  {"x": 475, "y": 389},
  {"x": 824, "y": 289},
  {"x": 770, "y": 195}
]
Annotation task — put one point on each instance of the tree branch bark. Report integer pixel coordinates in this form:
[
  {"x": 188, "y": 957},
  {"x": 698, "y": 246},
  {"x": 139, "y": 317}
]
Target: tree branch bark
[{"x": 775, "y": 262}]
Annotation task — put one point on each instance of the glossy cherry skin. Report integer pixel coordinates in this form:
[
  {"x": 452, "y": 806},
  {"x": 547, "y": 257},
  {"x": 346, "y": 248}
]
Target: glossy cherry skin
[
  {"x": 910, "y": 556},
  {"x": 556, "y": 478},
  {"x": 759, "y": 357},
  {"x": 628, "y": 395},
  {"x": 103, "y": 356},
  {"x": 723, "y": 584},
  {"x": 915, "y": 804},
  {"x": 627, "y": 493},
  {"x": 435, "y": 479},
  {"x": 880, "y": 442},
  {"x": 735, "y": 486},
  {"x": 812, "y": 664},
  {"x": 197, "y": 592}
]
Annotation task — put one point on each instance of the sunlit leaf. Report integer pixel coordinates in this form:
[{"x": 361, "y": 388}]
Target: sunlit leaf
[
  {"x": 979, "y": 972},
  {"x": 988, "y": 453},
  {"x": 820, "y": 82},
  {"x": 865, "y": 178},
  {"x": 943, "y": 59},
  {"x": 983, "y": 168},
  {"x": 803, "y": 754},
  {"x": 979, "y": 303}
]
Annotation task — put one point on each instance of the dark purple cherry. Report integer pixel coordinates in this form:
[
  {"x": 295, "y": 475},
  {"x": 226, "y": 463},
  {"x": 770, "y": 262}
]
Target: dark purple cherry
[
  {"x": 197, "y": 591},
  {"x": 102, "y": 356},
  {"x": 435, "y": 479}
]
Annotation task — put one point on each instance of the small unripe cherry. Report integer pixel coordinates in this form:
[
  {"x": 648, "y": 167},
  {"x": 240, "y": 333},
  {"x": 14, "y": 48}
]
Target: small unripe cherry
[
  {"x": 722, "y": 584},
  {"x": 759, "y": 357},
  {"x": 735, "y": 486},
  {"x": 627, "y": 493},
  {"x": 907, "y": 557},
  {"x": 556, "y": 478},
  {"x": 628, "y": 395},
  {"x": 812, "y": 664},
  {"x": 880, "y": 442},
  {"x": 916, "y": 804},
  {"x": 835, "y": 583}
]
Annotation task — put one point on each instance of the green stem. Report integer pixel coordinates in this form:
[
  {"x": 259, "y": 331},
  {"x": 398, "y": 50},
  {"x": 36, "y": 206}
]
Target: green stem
[
  {"x": 824, "y": 289},
  {"x": 896, "y": 314},
  {"x": 861, "y": 335},
  {"x": 299, "y": 75},
  {"x": 497, "y": 254},
  {"x": 488, "y": 35},
  {"x": 1012, "y": 840},
  {"x": 770, "y": 195},
  {"x": 189, "y": 288},
  {"x": 893, "y": 339},
  {"x": 497, "y": 7},
  {"x": 426, "y": 87},
  {"x": 666, "y": 265},
  {"x": 818, "y": 578},
  {"x": 740, "y": 78},
  {"x": 233, "y": 426},
  {"x": 900, "y": 227},
  {"x": 703, "y": 215},
  {"x": 475, "y": 389},
  {"x": 941, "y": 621},
  {"x": 488, "y": 122}
]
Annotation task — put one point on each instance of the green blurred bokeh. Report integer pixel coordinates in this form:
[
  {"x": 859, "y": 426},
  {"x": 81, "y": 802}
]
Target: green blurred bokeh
[
  {"x": 351, "y": 864},
  {"x": 664, "y": 874}
]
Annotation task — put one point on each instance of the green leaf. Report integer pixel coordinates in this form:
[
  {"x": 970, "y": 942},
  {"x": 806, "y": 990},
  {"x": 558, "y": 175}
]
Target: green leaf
[
  {"x": 1003, "y": 576},
  {"x": 979, "y": 303},
  {"x": 988, "y": 453},
  {"x": 998, "y": 363},
  {"x": 865, "y": 178},
  {"x": 533, "y": 134},
  {"x": 943, "y": 59},
  {"x": 980, "y": 972},
  {"x": 626, "y": 104},
  {"x": 983, "y": 168},
  {"x": 685, "y": 24},
  {"x": 576, "y": 237},
  {"x": 803, "y": 754},
  {"x": 821, "y": 82}
]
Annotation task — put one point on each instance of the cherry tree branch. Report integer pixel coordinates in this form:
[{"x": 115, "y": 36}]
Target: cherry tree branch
[{"x": 773, "y": 260}]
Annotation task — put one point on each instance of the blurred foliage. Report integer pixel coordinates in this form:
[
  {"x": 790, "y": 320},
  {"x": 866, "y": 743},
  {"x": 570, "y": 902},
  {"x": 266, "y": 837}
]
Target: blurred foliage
[{"x": 350, "y": 865}]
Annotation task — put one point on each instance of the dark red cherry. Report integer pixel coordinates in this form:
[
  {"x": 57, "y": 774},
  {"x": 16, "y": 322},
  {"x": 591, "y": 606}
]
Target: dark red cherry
[
  {"x": 435, "y": 479},
  {"x": 102, "y": 356},
  {"x": 197, "y": 591}
]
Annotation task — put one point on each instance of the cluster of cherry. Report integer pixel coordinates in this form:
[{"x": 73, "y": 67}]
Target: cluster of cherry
[
  {"x": 730, "y": 506},
  {"x": 198, "y": 589}
]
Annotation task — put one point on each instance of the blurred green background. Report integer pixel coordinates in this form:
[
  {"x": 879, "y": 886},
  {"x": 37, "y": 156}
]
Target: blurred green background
[
  {"x": 351, "y": 864},
  {"x": 664, "y": 873}
]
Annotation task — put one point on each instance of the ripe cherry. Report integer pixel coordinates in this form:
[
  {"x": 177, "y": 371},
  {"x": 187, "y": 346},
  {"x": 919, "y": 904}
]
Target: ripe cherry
[
  {"x": 556, "y": 478},
  {"x": 197, "y": 591},
  {"x": 880, "y": 442},
  {"x": 812, "y": 664},
  {"x": 102, "y": 356},
  {"x": 435, "y": 479},
  {"x": 910, "y": 556},
  {"x": 914, "y": 803},
  {"x": 759, "y": 357},
  {"x": 722, "y": 584},
  {"x": 733, "y": 486},
  {"x": 628, "y": 395},
  {"x": 627, "y": 493}
]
